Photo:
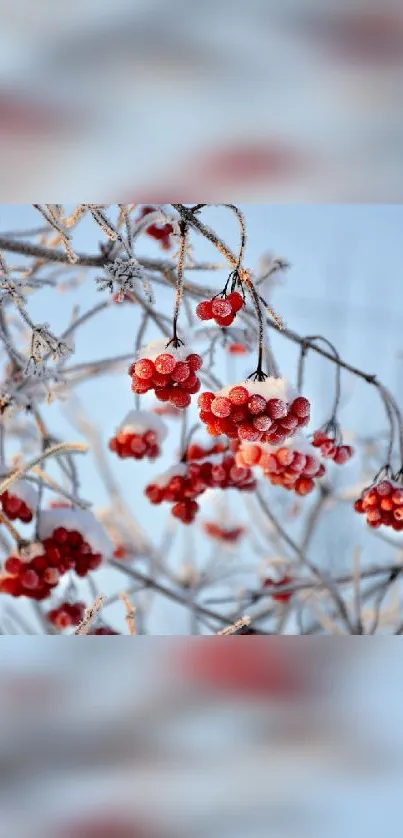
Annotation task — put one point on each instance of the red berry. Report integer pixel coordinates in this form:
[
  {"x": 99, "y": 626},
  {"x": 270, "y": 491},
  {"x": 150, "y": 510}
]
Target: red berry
[
  {"x": 311, "y": 466},
  {"x": 140, "y": 386},
  {"x": 397, "y": 514},
  {"x": 30, "y": 579},
  {"x": 13, "y": 565},
  {"x": 261, "y": 423},
  {"x": 328, "y": 449},
  {"x": 221, "y": 308},
  {"x": 343, "y": 453},
  {"x": 180, "y": 398},
  {"x": 195, "y": 361},
  {"x": 304, "y": 486},
  {"x": 370, "y": 498},
  {"x": 204, "y": 310},
  {"x": 298, "y": 462},
  {"x": 397, "y": 497},
  {"x": 74, "y": 538},
  {"x": 144, "y": 368},
  {"x": 384, "y": 488},
  {"x": 51, "y": 576},
  {"x": 236, "y": 301},
  {"x": 238, "y": 396},
  {"x": 251, "y": 455},
  {"x": 224, "y": 322},
  {"x": 248, "y": 433},
  {"x": 160, "y": 380},
  {"x": 256, "y": 404},
  {"x": 373, "y": 515},
  {"x": 276, "y": 408},
  {"x": 285, "y": 456},
  {"x": 165, "y": 363},
  {"x": 25, "y": 514},
  {"x": 205, "y": 399},
  {"x": 237, "y": 349},
  {"x": 163, "y": 394},
  {"x": 319, "y": 438},
  {"x": 221, "y": 406},
  {"x": 301, "y": 407},
  {"x": 53, "y": 553},
  {"x": 60, "y": 535},
  {"x": 181, "y": 372},
  {"x": 288, "y": 423}
]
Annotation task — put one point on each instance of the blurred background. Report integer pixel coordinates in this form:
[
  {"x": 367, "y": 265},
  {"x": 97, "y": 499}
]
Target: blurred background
[
  {"x": 343, "y": 282},
  {"x": 133, "y": 100},
  {"x": 298, "y": 738}
]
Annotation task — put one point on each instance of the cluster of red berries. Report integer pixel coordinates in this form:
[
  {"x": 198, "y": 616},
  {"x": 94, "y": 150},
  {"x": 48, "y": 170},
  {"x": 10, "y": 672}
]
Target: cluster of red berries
[
  {"x": 251, "y": 417},
  {"x": 103, "y": 630},
  {"x": 182, "y": 485},
  {"x": 15, "y": 508},
  {"x": 64, "y": 550},
  {"x": 138, "y": 446},
  {"x": 287, "y": 467},
  {"x": 33, "y": 579},
  {"x": 328, "y": 448},
  {"x": 229, "y": 535},
  {"x": 172, "y": 381},
  {"x": 382, "y": 505},
  {"x": 283, "y": 596},
  {"x": 159, "y": 232},
  {"x": 222, "y": 310},
  {"x": 195, "y": 451},
  {"x": 66, "y": 614}
]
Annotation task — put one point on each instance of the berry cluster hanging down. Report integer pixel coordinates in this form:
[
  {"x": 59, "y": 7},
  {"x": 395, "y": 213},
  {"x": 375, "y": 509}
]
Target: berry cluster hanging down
[
  {"x": 222, "y": 310},
  {"x": 293, "y": 466},
  {"x": 340, "y": 454},
  {"x": 139, "y": 436},
  {"x": 182, "y": 484},
  {"x": 160, "y": 232},
  {"x": 66, "y": 614},
  {"x": 255, "y": 411},
  {"x": 20, "y": 502},
  {"x": 69, "y": 539},
  {"x": 382, "y": 505},
  {"x": 171, "y": 374}
]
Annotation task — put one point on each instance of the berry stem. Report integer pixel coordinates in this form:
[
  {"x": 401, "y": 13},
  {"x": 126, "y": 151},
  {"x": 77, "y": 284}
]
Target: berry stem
[
  {"x": 305, "y": 346},
  {"x": 20, "y": 542},
  {"x": 258, "y": 375},
  {"x": 179, "y": 284}
]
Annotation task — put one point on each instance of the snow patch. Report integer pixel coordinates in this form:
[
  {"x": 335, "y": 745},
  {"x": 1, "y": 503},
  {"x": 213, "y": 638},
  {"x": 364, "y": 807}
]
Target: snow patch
[
  {"x": 271, "y": 388},
  {"x": 140, "y": 421},
  {"x": 76, "y": 519}
]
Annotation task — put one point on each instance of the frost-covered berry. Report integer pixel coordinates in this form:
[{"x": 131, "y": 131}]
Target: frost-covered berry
[
  {"x": 172, "y": 375},
  {"x": 253, "y": 411}
]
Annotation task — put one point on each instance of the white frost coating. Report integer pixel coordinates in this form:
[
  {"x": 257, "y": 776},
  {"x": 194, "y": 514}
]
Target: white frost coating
[
  {"x": 26, "y": 492},
  {"x": 163, "y": 479},
  {"x": 296, "y": 443},
  {"x": 76, "y": 519},
  {"x": 272, "y": 388},
  {"x": 159, "y": 347},
  {"x": 139, "y": 421}
]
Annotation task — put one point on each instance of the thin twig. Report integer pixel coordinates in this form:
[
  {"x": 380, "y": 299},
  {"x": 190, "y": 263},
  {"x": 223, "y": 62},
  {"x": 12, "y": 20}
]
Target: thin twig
[
  {"x": 89, "y": 615},
  {"x": 130, "y": 612}
]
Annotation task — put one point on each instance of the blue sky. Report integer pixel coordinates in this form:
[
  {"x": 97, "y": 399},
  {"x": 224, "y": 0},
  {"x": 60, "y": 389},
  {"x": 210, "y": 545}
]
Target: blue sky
[{"x": 345, "y": 283}]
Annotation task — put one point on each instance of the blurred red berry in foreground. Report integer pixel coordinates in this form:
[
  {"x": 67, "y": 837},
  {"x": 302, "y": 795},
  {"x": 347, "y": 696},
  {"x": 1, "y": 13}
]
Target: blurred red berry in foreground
[
  {"x": 259, "y": 667},
  {"x": 108, "y": 826}
]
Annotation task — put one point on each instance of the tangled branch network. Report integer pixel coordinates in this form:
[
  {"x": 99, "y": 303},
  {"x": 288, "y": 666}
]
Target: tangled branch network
[{"x": 248, "y": 479}]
